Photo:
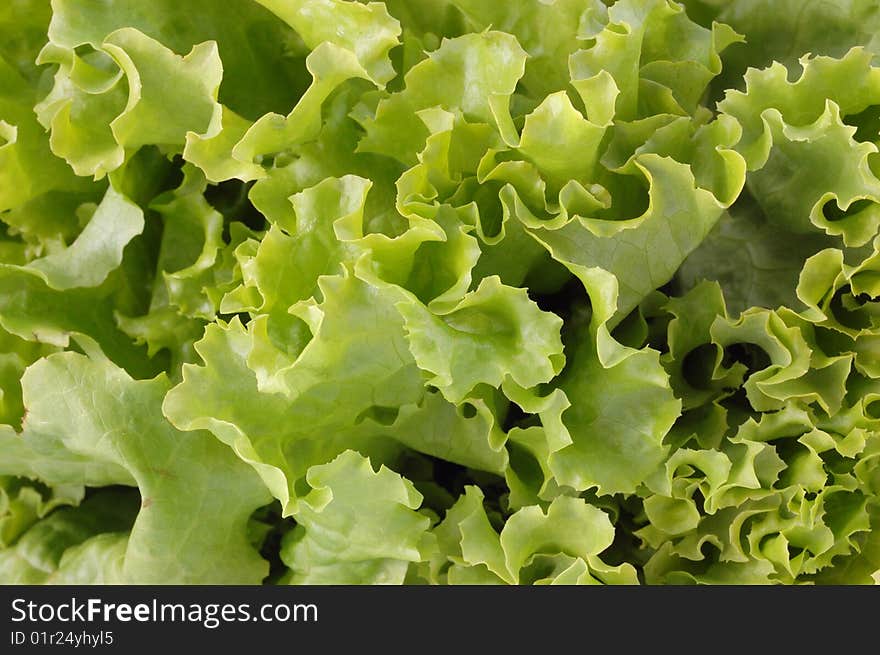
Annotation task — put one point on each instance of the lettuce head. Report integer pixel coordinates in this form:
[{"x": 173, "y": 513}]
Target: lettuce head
[{"x": 439, "y": 292}]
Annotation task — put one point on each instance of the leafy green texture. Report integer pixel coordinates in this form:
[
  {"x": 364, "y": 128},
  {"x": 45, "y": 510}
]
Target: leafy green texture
[
  {"x": 784, "y": 30},
  {"x": 439, "y": 292},
  {"x": 356, "y": 526},
  {"x": 88, "y": 423}
]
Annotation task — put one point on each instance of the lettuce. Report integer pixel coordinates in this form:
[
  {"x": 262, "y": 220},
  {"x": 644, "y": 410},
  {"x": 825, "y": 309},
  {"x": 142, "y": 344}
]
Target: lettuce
[{"x": 449, "y": 292}]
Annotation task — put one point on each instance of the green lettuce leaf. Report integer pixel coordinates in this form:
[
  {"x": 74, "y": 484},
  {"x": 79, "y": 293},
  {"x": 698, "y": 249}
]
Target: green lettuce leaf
[
  {"x": 356, "y": 526},
  {"x": 89, "y": 423},
  {"x": 478, "y": 554},
  {"x": 262, "y": 59},
  {"x": 439, "y": 292},
  {"x": 49, "y": 552}
]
